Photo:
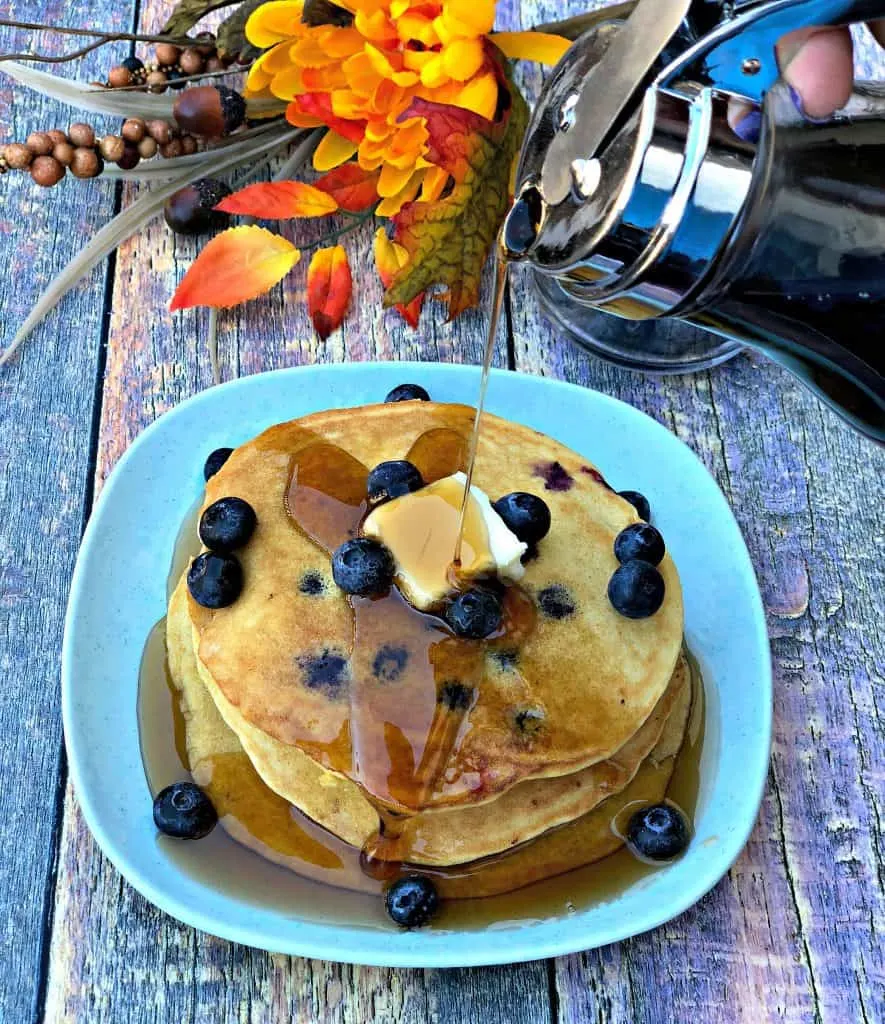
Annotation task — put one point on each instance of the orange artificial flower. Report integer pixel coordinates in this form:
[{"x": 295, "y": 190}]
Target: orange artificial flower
[{"x": 359, "y": 76}]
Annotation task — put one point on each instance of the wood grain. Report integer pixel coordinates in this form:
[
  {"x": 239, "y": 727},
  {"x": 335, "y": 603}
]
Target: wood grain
[
  {"x": 789, "y": 936},
  {"x": 47, "y": 397}
]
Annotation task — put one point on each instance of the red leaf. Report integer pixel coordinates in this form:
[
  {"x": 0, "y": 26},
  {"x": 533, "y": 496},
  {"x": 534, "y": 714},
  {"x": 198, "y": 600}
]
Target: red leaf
[
  {"x": 390, "y": 258},
  {"x": 279, "y": 200},
  {"x": 329, "y": 286},
  {"x": 239, "y": 264},
  {"x": 353, "y": 188}
]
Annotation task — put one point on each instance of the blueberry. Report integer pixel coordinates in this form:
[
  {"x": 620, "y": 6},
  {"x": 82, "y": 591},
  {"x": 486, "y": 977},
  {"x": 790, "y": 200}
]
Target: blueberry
[
  {"x": 639, "y": 540},
  {"x": 215, "y": 581},
  {"x": 659, "y": 832},
  {"x": 639, "y": 502},
  {"x": 393, "y": 480},
  {"x": 408, "y": 393},
  {"x": 526, "y": 515},
  {"x": 312, "y": 583},
  {"x": 411, "y": 901},
  {"x": 455, "y": 696},
  {"x": 556, "y": 602},
  {"x": 475, "y": 614},
  {"x": 636, "y": 589},
  {"x": 215, "y": 461},
  {"x": 183, "y": 810},
  {"x": 363, "y": 566},
  {"x": 227, "y": 524}
]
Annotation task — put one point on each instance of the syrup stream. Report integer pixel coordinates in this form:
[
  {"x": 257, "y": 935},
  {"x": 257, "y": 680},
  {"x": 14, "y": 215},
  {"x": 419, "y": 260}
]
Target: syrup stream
[{"x": 497, "y": 302}]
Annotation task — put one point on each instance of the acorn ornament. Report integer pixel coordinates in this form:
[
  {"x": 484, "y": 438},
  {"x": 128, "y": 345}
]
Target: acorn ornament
[
  {"x": 191, "y": 210},
  {"x": 209, "y": 111}
]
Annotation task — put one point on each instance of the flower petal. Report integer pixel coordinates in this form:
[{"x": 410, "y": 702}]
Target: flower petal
[
  {"x": 239, "y": 264},
  {"x": 540, "y": 46},
  {"x": 463, "y": 58},
  {"x": 332, "y": 151},
  {"x": 273, "y": 22},
  {"x": 329, "y": 287}
]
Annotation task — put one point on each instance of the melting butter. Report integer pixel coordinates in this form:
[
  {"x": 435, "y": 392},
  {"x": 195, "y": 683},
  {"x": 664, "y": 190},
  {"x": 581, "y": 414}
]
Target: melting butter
[{"x": 420, "y": 530}]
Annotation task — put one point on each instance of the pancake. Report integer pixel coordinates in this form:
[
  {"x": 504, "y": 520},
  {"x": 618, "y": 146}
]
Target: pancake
[
  {"x": 258, "y": 818},
  {"x": 571, "y": 691},
  {"x": 450, "y": 836}
]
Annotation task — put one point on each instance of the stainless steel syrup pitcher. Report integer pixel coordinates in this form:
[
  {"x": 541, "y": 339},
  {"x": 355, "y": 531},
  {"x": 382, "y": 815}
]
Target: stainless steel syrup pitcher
[{"x": 636, "y": 198}]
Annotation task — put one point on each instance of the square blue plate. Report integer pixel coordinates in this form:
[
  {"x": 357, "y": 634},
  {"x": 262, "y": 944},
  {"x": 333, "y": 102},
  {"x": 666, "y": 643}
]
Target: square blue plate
[{"x": 119, "y": 593}]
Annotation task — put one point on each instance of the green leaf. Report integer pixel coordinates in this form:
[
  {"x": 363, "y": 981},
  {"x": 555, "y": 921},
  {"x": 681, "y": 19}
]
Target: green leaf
[
  {"x": 231, "y": 35},
  {"x": 448, "y": 241},
  {"x": 187, "y": 13}
]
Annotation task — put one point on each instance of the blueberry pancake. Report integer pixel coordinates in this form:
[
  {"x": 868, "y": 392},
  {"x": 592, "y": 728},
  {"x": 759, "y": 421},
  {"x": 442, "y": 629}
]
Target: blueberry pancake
[
  {"x": 454, "y": 836},
  {"x": 404, "y": 707}
]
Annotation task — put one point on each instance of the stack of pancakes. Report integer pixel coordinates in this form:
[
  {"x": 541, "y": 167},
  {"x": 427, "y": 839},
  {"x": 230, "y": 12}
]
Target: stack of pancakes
[{"x": 581, "y": 716}]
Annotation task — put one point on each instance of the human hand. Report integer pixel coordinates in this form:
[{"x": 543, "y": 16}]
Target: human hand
[{"x": 818, "y": 65}]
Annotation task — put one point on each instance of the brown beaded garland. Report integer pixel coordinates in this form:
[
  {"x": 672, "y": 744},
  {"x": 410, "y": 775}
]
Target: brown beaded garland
[
  {"x": 39, "y": 143},
  {"x": 86, "y": 163},
  {"x": 157, "y": 81},
  {"x": 119, "y": 77},
  {"x": 47, "y": 171},
  {"x": 64, "y": 153},
  {"x": 58, "y": 137},
  {"x": 147, "y": 148},
  {"x": 188, "y": 145},
  {"x": 191, "y": 62},
  {"x": 172, "y": 148},
  {"x": 112, "y": 147},
  {"x": 81, "y": 134},
  {"x": 159, "y": 131},
  {"x": 18, "y": 156},
  {"x": 130, "y": 158},
  {"x": 133, "y": 129},
  {"x": 167, "y": 55}
]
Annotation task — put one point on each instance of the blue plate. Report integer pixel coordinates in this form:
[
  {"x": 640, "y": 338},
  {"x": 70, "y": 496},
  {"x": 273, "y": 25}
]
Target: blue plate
[{"x": 119, "y": 593}]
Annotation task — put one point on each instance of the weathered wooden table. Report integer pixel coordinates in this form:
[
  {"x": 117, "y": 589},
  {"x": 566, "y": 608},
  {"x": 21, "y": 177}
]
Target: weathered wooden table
[{"x": 793, "y": 934}]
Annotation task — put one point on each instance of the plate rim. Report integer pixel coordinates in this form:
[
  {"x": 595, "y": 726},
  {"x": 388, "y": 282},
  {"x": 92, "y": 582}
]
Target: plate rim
[{"x": 311, "y": 939}]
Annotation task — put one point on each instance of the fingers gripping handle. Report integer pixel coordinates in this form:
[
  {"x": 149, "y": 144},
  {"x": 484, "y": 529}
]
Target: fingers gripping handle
[{"x": 738, "y": 56}]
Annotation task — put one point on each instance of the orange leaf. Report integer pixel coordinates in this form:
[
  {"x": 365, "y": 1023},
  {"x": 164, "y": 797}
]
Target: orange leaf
[
  {"x": 353, "y": 188},
  {"x": 279, "y": 200},
  {"x": 239, "y": 264},
  {"x": 390, "y": 258},
  {"x": 329, "y": 286}
]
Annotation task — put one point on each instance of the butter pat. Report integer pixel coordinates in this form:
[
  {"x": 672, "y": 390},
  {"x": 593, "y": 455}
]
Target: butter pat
[{"x": 420, "y": 530}]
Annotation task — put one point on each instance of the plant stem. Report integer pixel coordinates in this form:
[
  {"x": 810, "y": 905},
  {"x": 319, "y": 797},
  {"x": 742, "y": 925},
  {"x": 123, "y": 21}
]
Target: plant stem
[
  {"x": 332, "y": 238},
  {"x": 102, "y": 38}
]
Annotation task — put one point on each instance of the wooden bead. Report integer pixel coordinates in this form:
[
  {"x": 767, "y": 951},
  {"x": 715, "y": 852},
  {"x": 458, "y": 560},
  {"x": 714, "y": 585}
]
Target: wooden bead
[
  {"x": 47, "y": 171},
  {"x": 112, "y": 147},
  {"x": 57, "y": 136},
  {"x": 159, "y": 131},
  {"x": 156, "y": 81},
  {"x": 171, "y": 149},
  {"x": 87, "y": 163},
  {"x": 147, "y": 148},
  {"x": 215, "y": 64},
  {"x": 119, "y": 77},
  {"x": 167, "y": 54},
  {"x": 18, "y": 156},
  {"x": 64, "y": 153},
  {"x": 130, "y": 157},
  {"x": 188, "y": 145},
  {"x": 191, "y": 61},
  {"x": 133, "y": 130},
  {"x": 81, "y": 134},
  {"x": 39, "y": 143}
]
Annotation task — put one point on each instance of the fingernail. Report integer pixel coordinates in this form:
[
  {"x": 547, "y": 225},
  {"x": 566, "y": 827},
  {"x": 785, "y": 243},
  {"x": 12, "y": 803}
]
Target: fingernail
[
  {"x": 749, "y": 126},
  {"x": 800, "y": 107}
]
